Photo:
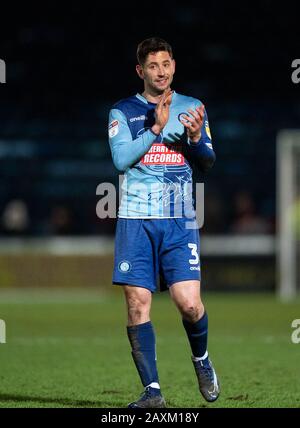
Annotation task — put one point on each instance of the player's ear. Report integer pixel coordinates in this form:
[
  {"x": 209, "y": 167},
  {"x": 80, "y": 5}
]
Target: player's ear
[
  {"x": 139, "y": 71},
  {"x": 174, "y": 65}
]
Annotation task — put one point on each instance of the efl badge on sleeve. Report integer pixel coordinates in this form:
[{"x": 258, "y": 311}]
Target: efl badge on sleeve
[
  {"x": 207, "y": 130},
  {"x": 113, "y": 128}
]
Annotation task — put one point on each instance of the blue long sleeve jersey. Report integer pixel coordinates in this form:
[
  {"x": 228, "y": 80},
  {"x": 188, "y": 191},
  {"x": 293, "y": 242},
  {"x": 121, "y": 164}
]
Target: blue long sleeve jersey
[{"x": 157, "y": 169}]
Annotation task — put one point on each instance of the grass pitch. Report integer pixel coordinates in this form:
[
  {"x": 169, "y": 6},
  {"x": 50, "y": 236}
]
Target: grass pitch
[{"x": 70, "y": 349}]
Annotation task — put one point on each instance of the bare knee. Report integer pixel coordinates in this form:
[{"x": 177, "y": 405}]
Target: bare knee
[
  {"x": 187, "y": 297},
  {"x": 191, "y": 311},
  {"x": 138, "y": 305}
]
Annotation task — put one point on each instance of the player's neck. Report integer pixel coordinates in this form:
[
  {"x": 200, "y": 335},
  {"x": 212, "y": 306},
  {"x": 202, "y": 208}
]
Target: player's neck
[{"x": 152, "y": 97}]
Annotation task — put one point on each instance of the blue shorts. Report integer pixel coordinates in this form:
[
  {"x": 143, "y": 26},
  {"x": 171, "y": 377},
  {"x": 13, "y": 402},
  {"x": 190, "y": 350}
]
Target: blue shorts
[{"x": 152, "y": 252}]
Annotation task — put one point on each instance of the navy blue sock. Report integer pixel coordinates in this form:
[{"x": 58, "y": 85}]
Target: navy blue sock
[
  {"x": 142, "y": 340},
  {"x": 197, "y": 335}
]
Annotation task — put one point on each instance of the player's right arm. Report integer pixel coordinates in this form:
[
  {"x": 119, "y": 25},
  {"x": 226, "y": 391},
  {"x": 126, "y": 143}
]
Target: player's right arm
[{"x": 126, "y": 151}]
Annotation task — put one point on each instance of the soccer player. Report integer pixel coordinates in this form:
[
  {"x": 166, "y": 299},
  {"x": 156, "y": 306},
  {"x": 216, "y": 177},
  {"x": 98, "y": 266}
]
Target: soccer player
[{"x": 156, "y": 138}]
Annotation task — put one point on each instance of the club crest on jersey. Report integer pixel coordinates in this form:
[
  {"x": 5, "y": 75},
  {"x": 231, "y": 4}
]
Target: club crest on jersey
[
  {"x": 113, "y": 128},
  {"x": 180, "y": 118},
  {"x": 161, "y": 154}
]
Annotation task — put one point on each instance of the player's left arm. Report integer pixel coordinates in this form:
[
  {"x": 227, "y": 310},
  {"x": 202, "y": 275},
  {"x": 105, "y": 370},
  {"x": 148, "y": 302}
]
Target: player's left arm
[{"x": 199, "y": 138}]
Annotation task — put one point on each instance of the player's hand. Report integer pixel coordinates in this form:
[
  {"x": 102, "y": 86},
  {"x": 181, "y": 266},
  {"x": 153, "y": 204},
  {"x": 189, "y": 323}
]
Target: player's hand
[
  {"x": 162, "y": 111},
  {"x": 193, "y": 123}
]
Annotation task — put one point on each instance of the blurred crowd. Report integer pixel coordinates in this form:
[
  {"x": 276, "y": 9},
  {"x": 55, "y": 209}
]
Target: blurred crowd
[{"x": 240, "y": 218}]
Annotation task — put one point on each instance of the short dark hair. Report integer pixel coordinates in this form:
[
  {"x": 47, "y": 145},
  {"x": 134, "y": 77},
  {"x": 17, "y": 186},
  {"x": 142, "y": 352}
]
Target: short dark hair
[{"x": 153, "y": 44}]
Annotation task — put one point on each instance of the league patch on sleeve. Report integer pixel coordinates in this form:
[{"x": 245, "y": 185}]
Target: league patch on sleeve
[
  {"x": 113, "y": 128},
  {"x": 207, "y": 130}
]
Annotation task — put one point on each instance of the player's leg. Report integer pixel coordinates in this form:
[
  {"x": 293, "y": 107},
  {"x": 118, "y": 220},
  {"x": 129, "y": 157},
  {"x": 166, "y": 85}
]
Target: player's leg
[
  {"x": 135, "y": 269},
  {"x": 142, "y": 339},
  {"x": 187, "y": 297},
  {"x": 180, "y": 264}
]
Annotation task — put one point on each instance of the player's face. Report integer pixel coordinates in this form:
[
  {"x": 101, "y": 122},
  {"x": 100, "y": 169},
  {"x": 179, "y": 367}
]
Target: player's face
[{"x": 157, "y": 72}]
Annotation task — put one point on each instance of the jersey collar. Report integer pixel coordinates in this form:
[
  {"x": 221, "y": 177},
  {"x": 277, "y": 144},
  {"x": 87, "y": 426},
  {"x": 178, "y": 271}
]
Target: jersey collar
[{"x": 145, "y": 101}]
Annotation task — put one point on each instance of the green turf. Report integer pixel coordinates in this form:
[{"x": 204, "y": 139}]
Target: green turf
[{"x": 70, "y": 349}]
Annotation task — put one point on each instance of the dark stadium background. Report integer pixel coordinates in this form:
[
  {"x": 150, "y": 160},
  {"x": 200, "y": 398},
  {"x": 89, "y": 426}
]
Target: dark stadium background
[{"x": 67, "y": 65}]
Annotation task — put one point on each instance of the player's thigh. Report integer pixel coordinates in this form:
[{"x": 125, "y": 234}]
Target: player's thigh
[
  {"x": 180, "y": 253},
  {"x": 134, "y": 255}
]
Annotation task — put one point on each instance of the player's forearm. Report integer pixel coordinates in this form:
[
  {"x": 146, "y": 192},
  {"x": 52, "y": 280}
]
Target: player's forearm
[
  {"x": 203, "y": 155},
  {"x": 127, "y": 153}
]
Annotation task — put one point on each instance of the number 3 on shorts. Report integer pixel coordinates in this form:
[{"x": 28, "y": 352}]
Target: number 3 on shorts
[{"x": 194, "y": 253}]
